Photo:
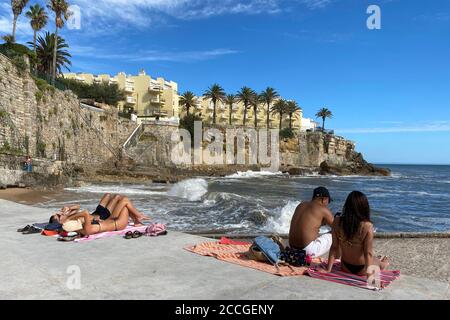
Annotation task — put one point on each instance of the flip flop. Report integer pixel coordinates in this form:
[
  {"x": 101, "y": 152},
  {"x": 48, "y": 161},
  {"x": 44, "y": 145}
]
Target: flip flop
[
  {"x": 24, "y": 229},
  {"x": 128, "y": 235},
  {"x": 68, "y": 239},
  {"x": 137, "y": 234},
  {"x": 32, "y": 230}
]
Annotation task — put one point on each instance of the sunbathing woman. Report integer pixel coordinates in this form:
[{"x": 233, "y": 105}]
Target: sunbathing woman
[
  {"x": 353, "y": 238},
  {"x": 110, "y": 207}
]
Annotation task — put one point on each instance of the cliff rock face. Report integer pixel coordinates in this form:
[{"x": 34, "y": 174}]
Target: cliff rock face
[{"x": 50, "y": 124}]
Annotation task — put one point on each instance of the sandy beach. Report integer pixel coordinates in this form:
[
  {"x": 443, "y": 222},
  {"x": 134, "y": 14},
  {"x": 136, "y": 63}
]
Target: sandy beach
[{"x": 27, "y": 195}]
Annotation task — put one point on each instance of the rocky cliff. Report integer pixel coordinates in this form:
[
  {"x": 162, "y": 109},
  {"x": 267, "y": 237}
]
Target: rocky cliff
[
  {"x": 67, "y": 138},
  {"x": 51, "y": 125}
]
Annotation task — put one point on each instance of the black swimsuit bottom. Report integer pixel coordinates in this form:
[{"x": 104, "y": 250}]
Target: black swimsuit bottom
[
  {"x": 102, "y": 212},
  {"x": 355, "y": 269}
]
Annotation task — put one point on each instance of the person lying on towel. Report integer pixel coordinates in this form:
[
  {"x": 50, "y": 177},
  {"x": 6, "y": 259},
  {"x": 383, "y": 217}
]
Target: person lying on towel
[
  {"x": 112, "y": 214},
  {"x": 353, "y": 238},
  {"x": 306, "y": 223}
]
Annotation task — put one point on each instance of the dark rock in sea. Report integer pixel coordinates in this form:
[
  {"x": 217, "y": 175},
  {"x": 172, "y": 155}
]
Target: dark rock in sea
[
  {"x": 297, "y": 171},
  {"x": 358, "y": 166}
]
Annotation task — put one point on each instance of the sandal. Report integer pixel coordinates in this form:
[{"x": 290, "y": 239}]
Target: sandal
[
  {"x": 128, "y": 235},
  {"x": 137, "y": 234},
  {"x": 24, "y": 229},
  {"x": 32, "y": 230},
  {"x": 68, "y": 239}
]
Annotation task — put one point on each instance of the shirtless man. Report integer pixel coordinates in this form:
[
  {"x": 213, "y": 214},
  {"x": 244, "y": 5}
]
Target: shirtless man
[{"x": 306, "y": 223}]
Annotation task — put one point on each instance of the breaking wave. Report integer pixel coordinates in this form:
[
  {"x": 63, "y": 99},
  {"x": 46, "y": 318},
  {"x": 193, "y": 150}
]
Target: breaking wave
[{"x": 191, "y": 189}]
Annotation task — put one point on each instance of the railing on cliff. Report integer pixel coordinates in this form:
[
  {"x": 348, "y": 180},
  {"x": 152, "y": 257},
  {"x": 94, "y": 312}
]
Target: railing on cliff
[
  {"x": 133, "y": 139},
  {"x": 99, "y": 134}
]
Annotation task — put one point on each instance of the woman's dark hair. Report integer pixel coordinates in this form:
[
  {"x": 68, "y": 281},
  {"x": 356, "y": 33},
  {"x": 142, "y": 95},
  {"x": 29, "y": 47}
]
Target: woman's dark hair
[{"x": 356, "y": 210}]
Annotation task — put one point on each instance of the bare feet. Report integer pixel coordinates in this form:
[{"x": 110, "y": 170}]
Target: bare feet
[{"x": 384, "y": 262}]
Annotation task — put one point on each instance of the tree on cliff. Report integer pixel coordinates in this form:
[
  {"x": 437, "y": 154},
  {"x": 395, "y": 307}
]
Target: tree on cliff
[
  {"x": 17, "y": 8},
  {"x": 256, "y": 99},
  {"x": 38, "y": 20},
  {"x": 292, "y": 109},
  {"x": 245, "y": 96},
  {"x": 230, "y": 99},
  {"x": 280, "y": 107},
  {"x": 268, "y": 96},
  {"x": 61, "y": 11},
  {"x": 324, "y": 113},
  {"x": 187, "y": 101},
  {"x": 45, "y": 50},
  {"x": 215, "y": 93}
]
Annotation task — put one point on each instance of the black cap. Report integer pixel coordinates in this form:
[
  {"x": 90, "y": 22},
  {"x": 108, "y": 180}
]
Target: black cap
[{"x": 322, "y": 192}]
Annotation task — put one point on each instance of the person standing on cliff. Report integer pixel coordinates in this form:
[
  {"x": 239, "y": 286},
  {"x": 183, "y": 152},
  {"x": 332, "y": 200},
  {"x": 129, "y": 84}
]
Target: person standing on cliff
[
  {"x": 29, "y": 164},
  {"x": 306, "y": 223}
]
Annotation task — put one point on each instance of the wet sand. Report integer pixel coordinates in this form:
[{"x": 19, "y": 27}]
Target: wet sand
[{"x": 27, "y": 196}]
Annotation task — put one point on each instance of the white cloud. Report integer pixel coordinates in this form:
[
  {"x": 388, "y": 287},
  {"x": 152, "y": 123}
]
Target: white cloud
[
  {"x": 152, "y": 55},
  {"x": 433, "y": 126},
  {"x": 314, "y": 4}
]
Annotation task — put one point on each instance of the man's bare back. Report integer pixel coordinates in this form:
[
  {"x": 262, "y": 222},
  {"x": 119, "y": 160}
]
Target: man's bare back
[{"x": 306, "y": 222}]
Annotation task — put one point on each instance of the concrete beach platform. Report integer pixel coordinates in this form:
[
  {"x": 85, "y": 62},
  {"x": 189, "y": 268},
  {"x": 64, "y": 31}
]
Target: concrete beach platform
[{"x": 38, "y": 267}]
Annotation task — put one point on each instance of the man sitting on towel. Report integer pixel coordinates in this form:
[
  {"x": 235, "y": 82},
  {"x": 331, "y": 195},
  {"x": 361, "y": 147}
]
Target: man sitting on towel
[{"x": 306, "y": 223}]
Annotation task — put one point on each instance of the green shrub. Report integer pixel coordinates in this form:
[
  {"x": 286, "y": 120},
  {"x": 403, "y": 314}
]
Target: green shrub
[
  {"x": 187, "y": 123},
  {"x": 287, "y": 133},
  {"x": 100, "y": 92}
]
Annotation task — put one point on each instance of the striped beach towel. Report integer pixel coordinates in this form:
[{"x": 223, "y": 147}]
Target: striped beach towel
[
  {"x": 386, "y": 277},
  {"x": 237, "y": 254}
]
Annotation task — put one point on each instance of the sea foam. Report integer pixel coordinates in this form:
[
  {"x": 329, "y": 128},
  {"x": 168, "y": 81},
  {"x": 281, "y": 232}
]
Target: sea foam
[{"x": 191, "y": 189}]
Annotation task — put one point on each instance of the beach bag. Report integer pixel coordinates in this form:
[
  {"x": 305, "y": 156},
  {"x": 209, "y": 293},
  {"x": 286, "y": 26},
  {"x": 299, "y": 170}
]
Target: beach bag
[
  {"x": 267, "y": 249},
  {"x": 295, "y": 257}
]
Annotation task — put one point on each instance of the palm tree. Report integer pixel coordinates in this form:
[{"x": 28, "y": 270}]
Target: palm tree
[
  {"x": 245, "y": 95},
  {"x": 61, "y": 10},
  {"x": 324, "y": 113},
  {"x": 215, "y": 93},
  {"x": 292, "y": 109},
  {"x": 255, "y": 104},
  {"x": 17, "y": 8},
  {"x": 280, "y": 107},
  {"x": 230, "y": 99},
  {"x": 8, "y": 38},
  {"x": 38, "y": 20},
  {"x": 45, "y": 49},
  {"x": 188, "y": 100},
  {"x": 268, "y": 96}
]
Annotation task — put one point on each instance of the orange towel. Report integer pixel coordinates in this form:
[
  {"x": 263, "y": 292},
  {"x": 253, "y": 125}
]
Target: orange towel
[{"x": 237, "y": 254}]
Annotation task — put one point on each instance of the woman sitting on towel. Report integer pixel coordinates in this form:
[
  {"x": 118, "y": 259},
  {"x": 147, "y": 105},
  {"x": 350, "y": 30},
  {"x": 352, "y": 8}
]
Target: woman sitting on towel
[
  {"x": 353, "y": 238},
  {"x": 112, "y": 214}
]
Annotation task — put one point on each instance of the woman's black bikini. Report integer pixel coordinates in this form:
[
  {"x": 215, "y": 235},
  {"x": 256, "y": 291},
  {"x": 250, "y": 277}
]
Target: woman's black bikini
[
  {"x": 354, "y": 269},
  {"x": 104, "y": 214}
]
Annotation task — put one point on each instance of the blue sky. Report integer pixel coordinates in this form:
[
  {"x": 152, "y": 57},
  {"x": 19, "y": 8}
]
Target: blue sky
[{"x": 389, "y": 89}]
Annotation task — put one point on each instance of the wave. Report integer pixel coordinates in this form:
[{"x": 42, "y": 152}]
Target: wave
[
  {"x": 114, "y": 189},
  {"x": 282, "y": 221},
  {"x": 191, "y": 189},
  {"x": 254, "y": 174}
]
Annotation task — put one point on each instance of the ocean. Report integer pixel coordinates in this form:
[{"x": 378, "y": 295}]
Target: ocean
[{"x": 415, "y": 198}]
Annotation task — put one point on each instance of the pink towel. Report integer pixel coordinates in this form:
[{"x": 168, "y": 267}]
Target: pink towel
[
  {"x": 338, "y": 276},
  {"x": 155, "y": 229},
  {"x": 111, "y": 233}
]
